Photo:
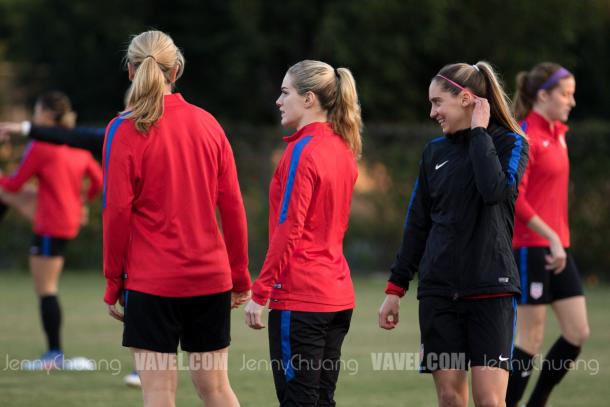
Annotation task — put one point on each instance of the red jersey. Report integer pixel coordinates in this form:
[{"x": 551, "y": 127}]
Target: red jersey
[
  {"x": 60, "y": 171},
  {"x": 309, "y": 204},
  {"x": 544, "y": 188},
  {"x": 161, "y": 191}
]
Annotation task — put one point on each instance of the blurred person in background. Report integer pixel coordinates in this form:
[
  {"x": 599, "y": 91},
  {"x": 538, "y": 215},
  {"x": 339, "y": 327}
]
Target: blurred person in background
[
  {"x": 60, "y": 171},
  {"x": 544, "y": 99}
]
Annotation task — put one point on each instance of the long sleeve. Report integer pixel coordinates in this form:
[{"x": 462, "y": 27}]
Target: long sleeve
[
  {"x": 415, "y": 233},
  {"x": 296, "y": 199},
  {"x": 233, "y": 218},
  {"x": 30, "y": 164},
  {"x": 87, "y": 138},
  {"x": 497, "y": 173},
  {"x": 119, "y": 181},
  {"x": 94, "y": 173},
  {"x": 524, "y": 211}
]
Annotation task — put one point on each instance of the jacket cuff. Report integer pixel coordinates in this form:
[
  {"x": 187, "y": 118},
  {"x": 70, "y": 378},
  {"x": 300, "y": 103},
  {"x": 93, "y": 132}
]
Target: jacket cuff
[
  {"x": 113, "y": 290},
  {"x": 242, "y": 284},
  {"x": 259, "y": 299},
  {"x": 393, "y": 289}
]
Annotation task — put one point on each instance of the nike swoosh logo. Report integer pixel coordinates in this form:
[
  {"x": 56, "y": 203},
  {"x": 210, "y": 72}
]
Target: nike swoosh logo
[
  {"x": 440, "y": 165},
  {"x": 503, "y": 359}
]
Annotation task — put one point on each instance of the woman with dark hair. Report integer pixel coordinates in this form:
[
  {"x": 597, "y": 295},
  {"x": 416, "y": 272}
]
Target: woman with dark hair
[
  {"x": 544, "y": 99},
  {"x": 60, "y": 171}
]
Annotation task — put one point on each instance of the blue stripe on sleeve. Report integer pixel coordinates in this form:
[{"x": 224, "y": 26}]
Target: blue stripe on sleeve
[
  {"x": 523, "y": 273},
  {"x": 411, "y": 201},
  {"x": 513, "y": 163},
  {"x": 109, "y": 138},
  {"x": 294, "y": 162},
  {"x": 286, "y": 350}
]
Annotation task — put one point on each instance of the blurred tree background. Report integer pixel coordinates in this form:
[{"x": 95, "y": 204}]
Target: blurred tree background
[{"x": 237, "y": 52}]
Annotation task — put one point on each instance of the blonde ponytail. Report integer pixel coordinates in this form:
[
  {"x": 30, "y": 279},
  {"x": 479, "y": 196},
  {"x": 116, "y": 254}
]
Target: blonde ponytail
[
  {"x": 153, "y": 56},
  {"x": 345, "y": 114},
  {"x": 336, "y": 91}
]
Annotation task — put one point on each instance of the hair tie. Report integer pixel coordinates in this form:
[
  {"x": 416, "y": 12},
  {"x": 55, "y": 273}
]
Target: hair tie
[
  {"x": 477, "y": 68},
  {"x": 337, "y": 73},
  {"x": 150, "y": 56},
  {"x": 556, "y": 77}
]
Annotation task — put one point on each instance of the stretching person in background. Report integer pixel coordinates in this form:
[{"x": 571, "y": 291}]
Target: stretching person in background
[
  {"x": 544, "y": 99},
  {"x": 60, "y": 171},
  {"x": 458, "y": 234},
  {"x": 87, "y": 138}
]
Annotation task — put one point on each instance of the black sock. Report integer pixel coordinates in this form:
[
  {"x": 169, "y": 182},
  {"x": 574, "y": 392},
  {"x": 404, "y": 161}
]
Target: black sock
[
  {"x": 521, "y": 370},
  {"x": 51, "y": 320},
  {"x": 554, "y": 367},
  {"x": 3, "y": 211}
]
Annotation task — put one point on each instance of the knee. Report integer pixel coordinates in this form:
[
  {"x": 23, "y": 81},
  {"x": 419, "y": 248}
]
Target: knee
[
  {"x": 578, "y": 336},
  {"x": 451, "y": 398},
  {"x": 488, "y": 400},
  {"x": 212, "y": 389},
  {"x": 531, "y": 340}
]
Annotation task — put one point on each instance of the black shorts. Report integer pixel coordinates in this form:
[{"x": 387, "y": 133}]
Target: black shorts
[
  {"x": 541, "y": 286},
  {"x": 305, "y": 349},
  {"x": 475, "y": 332},
  {"x": 48, "y": 246},
  {"x": 199, "y": 324}
]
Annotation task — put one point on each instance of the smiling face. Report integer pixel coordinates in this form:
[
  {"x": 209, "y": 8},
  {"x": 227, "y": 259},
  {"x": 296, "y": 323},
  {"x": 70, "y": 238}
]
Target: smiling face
[
  {"x": 452, "y": 112},
  {"x": 292, "y": 106},
  {"x": 557, "y": 103}
]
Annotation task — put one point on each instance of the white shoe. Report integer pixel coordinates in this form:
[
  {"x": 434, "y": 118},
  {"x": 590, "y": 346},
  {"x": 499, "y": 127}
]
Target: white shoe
[
  {"x": 133, "y": 379},
  {"x": 79, "y": 363}
]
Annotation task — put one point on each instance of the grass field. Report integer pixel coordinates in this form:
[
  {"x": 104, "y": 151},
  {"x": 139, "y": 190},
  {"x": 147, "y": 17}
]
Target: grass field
[{"x": 88, "y": 331}]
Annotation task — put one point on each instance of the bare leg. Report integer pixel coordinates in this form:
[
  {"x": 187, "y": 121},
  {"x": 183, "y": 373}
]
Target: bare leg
[
  {"x": 451, "y": 387},
  {"x": 209, "y": 373}
]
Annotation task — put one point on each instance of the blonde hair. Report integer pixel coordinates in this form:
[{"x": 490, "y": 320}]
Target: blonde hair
[
  {"x": 59, "y": 105},
  {"x": 153, "y": 55},
  {"x": 483, "y": 81},
  {"x": 528, "y": 85},
  {"x": 336, "y": 91}
]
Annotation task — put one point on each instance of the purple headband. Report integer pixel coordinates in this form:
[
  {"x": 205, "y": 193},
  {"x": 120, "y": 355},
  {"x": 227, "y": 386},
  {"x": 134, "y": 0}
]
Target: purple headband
[
  {"x": 556, "y": 77},
  {"x": 457, "y": 85}
]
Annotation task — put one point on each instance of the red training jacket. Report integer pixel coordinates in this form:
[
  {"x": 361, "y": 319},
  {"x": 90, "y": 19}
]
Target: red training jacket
[
  {"x": 544, "y": 188},
  {"x": 309, "y": 204},
  {"x": 161, "y": 191},
  {"x": 60, "y": 171}
]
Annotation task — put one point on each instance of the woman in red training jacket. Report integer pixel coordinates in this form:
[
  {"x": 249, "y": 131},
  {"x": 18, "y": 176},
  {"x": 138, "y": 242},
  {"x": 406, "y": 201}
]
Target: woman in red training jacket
[
  {"x": 60, "y": 171},
  {"x": 305, "y": 277},
  {"x": 167, "y": 166},
  {"x": 544, "y": 99}
]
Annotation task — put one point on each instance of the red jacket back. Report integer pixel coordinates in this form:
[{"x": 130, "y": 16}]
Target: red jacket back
[
  {"x": 309, "y": 203},
  {"x": 161, "y": 192},
  {"x": 60, "y": 171}
]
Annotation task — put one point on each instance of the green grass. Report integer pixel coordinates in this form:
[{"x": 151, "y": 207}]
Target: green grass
[{"x": 89, "y": 331}]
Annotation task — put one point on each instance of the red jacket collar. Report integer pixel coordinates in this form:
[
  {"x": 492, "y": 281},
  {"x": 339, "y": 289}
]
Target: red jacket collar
[
  {"x": 173, "y": 99},
  {"x": 537, "y": 120},
  {"x": 311, "y": 129}
]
